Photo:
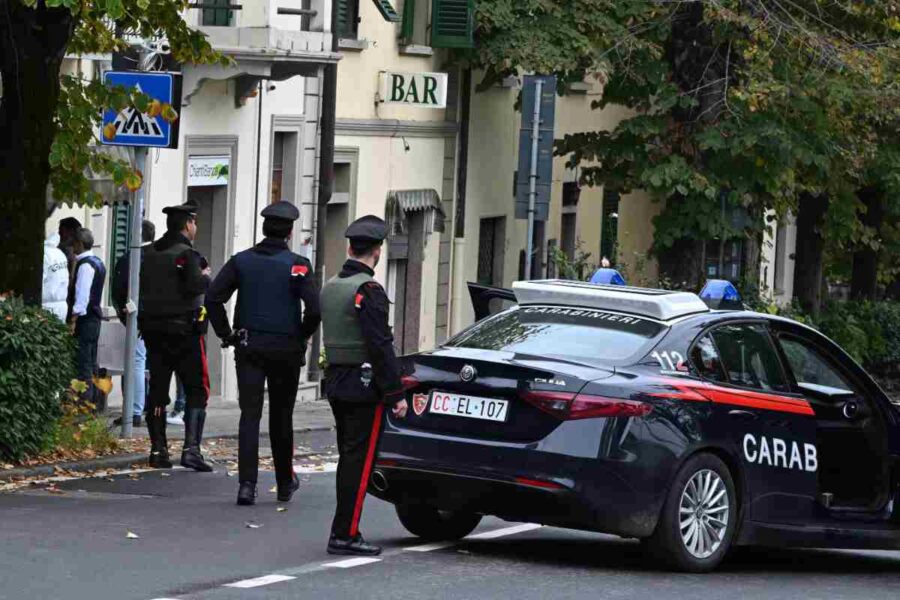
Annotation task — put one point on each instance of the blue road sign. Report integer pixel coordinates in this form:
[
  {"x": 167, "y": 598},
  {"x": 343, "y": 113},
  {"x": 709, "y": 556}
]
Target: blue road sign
[
  {"x": 545, "y": 147},
  {"x": 130, "y": 127}
]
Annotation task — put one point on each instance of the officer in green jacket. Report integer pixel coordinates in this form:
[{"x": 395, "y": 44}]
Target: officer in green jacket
[
  {"x": 361, "y": 378},
  {"x": 174, "y": 278}
]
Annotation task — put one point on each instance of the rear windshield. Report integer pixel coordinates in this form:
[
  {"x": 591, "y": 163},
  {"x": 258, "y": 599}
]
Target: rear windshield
[{"x": 578, "y": 334}]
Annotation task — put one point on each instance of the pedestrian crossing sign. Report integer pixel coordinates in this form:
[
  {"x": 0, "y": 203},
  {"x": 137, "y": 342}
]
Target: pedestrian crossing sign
[{"x": 156, "y": 127}]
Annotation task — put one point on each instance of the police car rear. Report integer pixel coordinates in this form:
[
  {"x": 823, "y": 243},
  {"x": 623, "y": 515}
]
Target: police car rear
[{"x": 527, "y": 415}]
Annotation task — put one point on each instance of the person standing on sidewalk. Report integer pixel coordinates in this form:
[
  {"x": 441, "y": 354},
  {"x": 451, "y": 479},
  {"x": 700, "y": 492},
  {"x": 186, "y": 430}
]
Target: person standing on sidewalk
[
  {"x": 85, "y": 299},
  {"x": 277, "y": 311},
  {"x": 361, "y": 377},
  {"x": 172, "y": 279},
  {"x": 55, "y": 289},
  {"x": 120, "y": 299}
]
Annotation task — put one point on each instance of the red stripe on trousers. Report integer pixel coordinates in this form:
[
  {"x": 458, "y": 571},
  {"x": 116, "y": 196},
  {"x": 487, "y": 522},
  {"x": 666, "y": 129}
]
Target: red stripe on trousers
[
  {"x": 205, "y": 366},
  {"x": 367, "y": 470}
]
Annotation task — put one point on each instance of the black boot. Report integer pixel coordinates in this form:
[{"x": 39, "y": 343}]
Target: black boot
[
  {"x": 246, "y": 494},
  {"x": 159, "y": 449},
  {"x": 193, "y": 435},
  {"x": 355, "y": 546},
  {"x": 286, "y": 489}
]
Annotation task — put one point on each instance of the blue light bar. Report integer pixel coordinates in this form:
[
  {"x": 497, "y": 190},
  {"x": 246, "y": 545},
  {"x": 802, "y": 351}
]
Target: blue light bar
[
  {"x": 608, "y": 277},
  {"x": 720, "y": 293}
]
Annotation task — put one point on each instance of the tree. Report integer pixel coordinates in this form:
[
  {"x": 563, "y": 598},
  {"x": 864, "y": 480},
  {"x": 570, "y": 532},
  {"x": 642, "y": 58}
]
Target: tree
[
  {"x": 48, "y": 122},
  {"x": 743, "y": 107}
]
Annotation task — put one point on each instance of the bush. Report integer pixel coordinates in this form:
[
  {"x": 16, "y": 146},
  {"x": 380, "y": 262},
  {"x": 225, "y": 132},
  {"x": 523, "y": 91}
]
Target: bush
[{"x": 37, "y": 364}]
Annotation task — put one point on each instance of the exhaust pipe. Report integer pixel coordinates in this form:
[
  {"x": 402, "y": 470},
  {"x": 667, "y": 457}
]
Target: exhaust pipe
[{"x": 379, "y": 481}]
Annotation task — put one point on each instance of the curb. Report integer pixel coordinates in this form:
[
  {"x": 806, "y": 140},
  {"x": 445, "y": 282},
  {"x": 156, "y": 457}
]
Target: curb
[{"x": 109, "y": 462}]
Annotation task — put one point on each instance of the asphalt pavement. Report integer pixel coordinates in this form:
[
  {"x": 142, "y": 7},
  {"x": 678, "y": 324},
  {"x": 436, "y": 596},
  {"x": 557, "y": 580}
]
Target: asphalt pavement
[{"x": 178, "y": 535}]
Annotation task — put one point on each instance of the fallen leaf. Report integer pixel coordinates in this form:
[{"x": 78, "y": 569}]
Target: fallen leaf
[
  {"x": 251, "y": 525},
  {"x": 229, "y": 473},
  {"x": 281, "y": 509},
  {"x": 273, "y": 489},
  {"x": 132, "y": 536},
  {"x": 165, "y": 474}
]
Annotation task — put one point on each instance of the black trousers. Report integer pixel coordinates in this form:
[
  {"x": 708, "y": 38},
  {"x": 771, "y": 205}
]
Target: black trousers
[
  {"x": 282, "y": 370},
  {"x": 184, "y": 354},
  {"x": 87, "y": 334},
  {"x": 358, "y": 428}
]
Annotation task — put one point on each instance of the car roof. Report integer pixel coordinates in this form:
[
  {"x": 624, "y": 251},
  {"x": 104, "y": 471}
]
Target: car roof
[{"x": 663, "y": 305}]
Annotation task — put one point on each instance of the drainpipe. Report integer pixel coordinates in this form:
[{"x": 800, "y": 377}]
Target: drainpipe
[
  {"x": 258, "y": 147},
  {"x": 326, "y": 178}
]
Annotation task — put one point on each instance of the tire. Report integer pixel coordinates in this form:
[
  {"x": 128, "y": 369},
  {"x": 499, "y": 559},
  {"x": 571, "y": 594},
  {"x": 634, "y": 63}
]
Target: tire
[
  {"x": 436, "y": 525},
  {"x": 703, "y": 476}
]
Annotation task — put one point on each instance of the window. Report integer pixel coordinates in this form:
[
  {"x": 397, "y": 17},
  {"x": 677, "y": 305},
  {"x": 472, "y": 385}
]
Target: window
[
  {"x": 723, "y": 260},
  {"x": 705, "y": 358},
  {"x": 609, "y": 238},
  {"x": 284, "y": 166},
  {"x": 567, "y": 234},
  {"x": 587, "y": 335},
  {"x": 809, "y": 366},
  {"x": 347, "y": 18},
  {"x": 491, "y": 246},
  {"x": 217, "y": 17},
  {"x": 780, "y": 256},
  {"x": 452, "y": 23},
  {"x": 748, "y": 357}
]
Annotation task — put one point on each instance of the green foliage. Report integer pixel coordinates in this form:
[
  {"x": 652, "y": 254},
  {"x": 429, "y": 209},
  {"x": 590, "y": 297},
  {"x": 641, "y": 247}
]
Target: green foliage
[
  {"x": 75, "y": 142},
  {"x": 37, "y": 358},
  {"x": 79, "y": 431},
  {"x": 577, "y": 267}
]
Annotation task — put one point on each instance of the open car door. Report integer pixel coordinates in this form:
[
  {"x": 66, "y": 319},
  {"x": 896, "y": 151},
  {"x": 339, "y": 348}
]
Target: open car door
[{"x": 488, "y": 300}]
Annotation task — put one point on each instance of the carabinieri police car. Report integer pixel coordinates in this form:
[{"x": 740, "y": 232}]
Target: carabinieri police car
[{"x": 647, "y": 414}]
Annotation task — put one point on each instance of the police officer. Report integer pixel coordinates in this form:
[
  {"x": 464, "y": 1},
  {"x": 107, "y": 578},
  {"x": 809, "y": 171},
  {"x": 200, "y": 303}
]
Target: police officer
[
  {"x": 273, "y": 286},
  {"x": 361, "y": 377},
  {"x": 174, "y": 278}
]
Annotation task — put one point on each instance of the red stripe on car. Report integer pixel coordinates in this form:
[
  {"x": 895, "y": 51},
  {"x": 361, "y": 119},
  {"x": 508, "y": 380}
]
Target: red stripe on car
[{"x": 701, "y": 392}]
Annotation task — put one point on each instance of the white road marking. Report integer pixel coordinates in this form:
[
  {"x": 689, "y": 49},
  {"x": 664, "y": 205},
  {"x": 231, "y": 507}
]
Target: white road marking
[
  {"x": 259, "y": 581},
  {"x": 352, "y": 562},
  {"x": 489, "y": 535},
  {"x": 329, "y": 467},
  {"x": 430, "y": 547}
]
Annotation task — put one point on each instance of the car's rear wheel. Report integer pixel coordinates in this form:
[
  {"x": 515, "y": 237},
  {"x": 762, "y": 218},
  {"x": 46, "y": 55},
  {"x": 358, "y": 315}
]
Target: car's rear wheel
[
  {"x": 436, "y": 525},
  {"x": 699, "y": 518}
]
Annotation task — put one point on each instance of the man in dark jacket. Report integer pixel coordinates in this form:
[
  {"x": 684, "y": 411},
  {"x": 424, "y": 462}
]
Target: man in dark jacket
[
  {"x": 277, "y": 311},
  {"x": 362, "y": 376},
  {"x": 173, "y": 278}
]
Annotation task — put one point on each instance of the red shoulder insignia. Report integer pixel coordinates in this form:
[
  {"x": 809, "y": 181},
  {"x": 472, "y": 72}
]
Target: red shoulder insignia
[
  {"x": 299, "y": 270},
  {"x": 180, "y": 262},
  {"x": 358, "y": 300}
]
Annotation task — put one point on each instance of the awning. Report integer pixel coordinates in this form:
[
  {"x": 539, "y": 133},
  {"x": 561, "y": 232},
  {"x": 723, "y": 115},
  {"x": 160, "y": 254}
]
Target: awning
[{"x": 402, "y": 202}]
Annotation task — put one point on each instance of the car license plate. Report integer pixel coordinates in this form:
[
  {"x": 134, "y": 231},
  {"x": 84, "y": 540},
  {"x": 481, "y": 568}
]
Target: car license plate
[{"x": 473, "y": 407}]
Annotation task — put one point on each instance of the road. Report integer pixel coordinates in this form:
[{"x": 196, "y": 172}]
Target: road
[{"x": 193, "y": 542}]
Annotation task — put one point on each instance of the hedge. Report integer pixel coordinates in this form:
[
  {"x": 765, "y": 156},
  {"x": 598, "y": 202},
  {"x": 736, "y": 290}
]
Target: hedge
[{"x": 37, "y": 365}]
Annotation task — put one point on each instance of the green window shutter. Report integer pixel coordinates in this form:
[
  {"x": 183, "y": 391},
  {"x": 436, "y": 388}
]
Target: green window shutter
[
  {"x": 118, "y": 246},
  {"x": 407, "y": 28},
  {"x": 452, "y": 23},
  {"x": 387, "y": 11},
  {"x": 217, "y": 17},
  {"x": 347, "y": 18}
]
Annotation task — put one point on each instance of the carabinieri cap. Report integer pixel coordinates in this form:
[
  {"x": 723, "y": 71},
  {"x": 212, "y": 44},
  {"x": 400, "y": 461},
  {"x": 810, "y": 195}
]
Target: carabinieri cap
[
  {"x": 281, "y": 210},
  {"x": 187, "y": 208},
  {"x": 367, "y": 229}
]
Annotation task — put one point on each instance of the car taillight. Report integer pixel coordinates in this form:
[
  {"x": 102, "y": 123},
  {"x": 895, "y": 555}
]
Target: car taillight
[
  {"x": 569, "y": 406},
  {"x": 408, "y": 382}
]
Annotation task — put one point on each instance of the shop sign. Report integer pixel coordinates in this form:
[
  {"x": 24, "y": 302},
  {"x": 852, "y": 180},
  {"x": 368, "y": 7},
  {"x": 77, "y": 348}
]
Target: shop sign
[
  {"x": 428, "y": 90},
  {"x": 208, "y": 170}
]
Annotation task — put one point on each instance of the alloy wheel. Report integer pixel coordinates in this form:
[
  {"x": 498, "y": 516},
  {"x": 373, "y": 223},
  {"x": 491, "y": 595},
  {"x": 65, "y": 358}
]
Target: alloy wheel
[{"x": 703, "y": 513}]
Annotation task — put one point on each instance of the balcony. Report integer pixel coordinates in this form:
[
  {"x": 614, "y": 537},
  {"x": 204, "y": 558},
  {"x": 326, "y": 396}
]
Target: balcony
[{"x": 268, "y": 39}]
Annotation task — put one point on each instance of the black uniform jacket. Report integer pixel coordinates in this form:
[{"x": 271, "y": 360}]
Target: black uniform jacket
[
  {"x": 345, "y": 384},
  {"x": 228, "y": 280}
]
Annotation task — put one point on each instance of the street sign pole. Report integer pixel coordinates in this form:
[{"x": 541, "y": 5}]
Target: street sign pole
[
  {"x": 532, "y": 179},
  {"x": 134, "y": 291}
]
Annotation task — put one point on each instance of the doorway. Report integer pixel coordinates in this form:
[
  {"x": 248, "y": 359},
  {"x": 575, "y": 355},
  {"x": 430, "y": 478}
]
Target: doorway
[{"x": 212, "y": 209}]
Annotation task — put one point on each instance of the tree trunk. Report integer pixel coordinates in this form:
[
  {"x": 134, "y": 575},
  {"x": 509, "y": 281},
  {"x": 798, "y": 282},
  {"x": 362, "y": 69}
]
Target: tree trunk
[
  {"x": 809, "y": 254},
  {"x": 864, "y": 280},
  {"x": 32, "y": 45}
]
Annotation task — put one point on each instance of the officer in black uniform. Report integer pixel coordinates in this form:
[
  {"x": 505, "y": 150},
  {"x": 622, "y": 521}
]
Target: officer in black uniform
[
  {"x": 174, "y": 278},
  {"x": 274, "y": 286},
  {"x": 362, "y": 376}
]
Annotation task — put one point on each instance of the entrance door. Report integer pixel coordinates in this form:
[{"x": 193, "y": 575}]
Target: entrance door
[{"x": 212, "y": 206}]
